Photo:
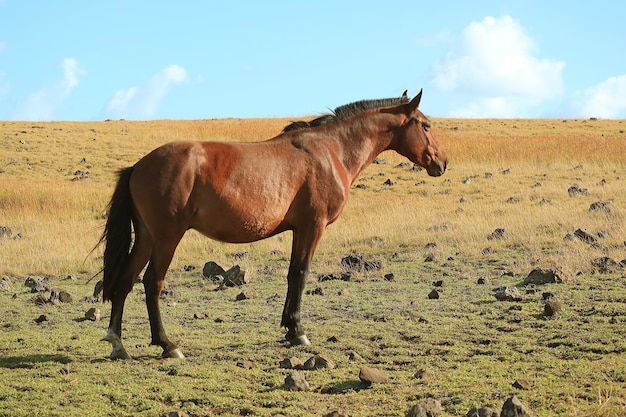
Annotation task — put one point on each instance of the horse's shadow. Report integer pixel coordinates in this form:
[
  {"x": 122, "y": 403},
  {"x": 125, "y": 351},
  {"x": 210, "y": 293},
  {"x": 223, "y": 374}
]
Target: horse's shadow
[{"x": 31, "y": 361}]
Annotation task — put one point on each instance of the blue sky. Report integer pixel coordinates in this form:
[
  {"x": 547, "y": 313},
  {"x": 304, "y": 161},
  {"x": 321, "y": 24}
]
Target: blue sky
[{"x": 83, "y": 60}]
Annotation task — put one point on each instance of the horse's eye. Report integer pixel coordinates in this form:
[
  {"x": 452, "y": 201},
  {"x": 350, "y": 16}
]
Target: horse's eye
[{"x": 426, "y": 127}]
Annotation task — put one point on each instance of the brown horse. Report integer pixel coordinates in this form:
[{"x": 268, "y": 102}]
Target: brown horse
[{"x": 244, "y": 192}]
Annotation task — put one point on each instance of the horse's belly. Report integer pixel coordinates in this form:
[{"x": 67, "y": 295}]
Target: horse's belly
[{"x": 237, "y": 226}]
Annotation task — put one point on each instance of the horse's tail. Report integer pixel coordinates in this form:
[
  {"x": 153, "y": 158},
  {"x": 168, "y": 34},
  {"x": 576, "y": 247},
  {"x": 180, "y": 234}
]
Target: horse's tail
[{"x": 117, "y": 235}]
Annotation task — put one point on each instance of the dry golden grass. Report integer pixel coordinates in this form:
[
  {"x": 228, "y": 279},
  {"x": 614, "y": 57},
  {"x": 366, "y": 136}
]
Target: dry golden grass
[{"x": 60, "y": 216}]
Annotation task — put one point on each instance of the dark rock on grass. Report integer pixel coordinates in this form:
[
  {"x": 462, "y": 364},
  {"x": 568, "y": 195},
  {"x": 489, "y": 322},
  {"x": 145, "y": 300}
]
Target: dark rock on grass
[
  {"x": 296, "y": 381},
  {"x": 523, "y": 384},
  {"x": 5, "y": 284},
  {"x": 540, "y": 276},
  {"x": 513, "y": 407},
  {"x": 602, "y": 206},
  {"x": 575, "y": 190},
  {"x": 552, "y": 308},
  {"x": 245, "y": 295},
  {"x": 212, "y": 271},
  {"x": 357, "y": 263},
  {"x": 93, "y": 314},
  {"x": 427, "y": 408},
  {"x": 370, "y": 376},
  {"x": 497, "y": 234},
  {"x": 97, "y": 289},
  {"x": 344, "y": 276},
  {"x": 5, "y": 232},
  {"x": 605, "y": 265},
  {"x": 482, "y": 412},
  {"x": 434, "y": 295},
  {"x": 38, "y": 284},
  {"x": 423, "y": 375},
  {"x": 245, "y": 364},
  {"x": 291, "y": 363},
  {"x": 337, "y": 413},
  {"x": 318, "y": 362},
  {"x": 508, "y": 294},
  {"x": 585, "y": 236},
  {"x": 42, "y": 318}
]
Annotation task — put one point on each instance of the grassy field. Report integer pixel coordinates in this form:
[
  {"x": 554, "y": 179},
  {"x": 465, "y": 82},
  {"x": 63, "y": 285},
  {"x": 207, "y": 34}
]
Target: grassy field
[{"x": 56, "y": 179}]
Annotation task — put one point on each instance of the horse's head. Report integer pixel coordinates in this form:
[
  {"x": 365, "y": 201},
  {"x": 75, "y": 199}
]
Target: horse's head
[{"x": 414, "y": 139}]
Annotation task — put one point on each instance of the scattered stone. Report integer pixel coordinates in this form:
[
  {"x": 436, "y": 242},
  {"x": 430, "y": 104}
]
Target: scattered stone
[
  {"x": 65, "y": 297},
  {"x": 575, "y": 190},
  {"x": 513, "y": 200},
  {"x": 318, "y": 362},
  {"x": 345, "y": 276},
  {"x": 200, "y": 316},
  {"x": 552, "y": 308},
  {"x": 37, "y": 284},
  {"x": 547, "y": 295},
  {"x": 389, "y": 182},
  {"x": 235, "y": 277},
  {"x": 245, "y": 295},
  {"x": 433, "y": 295},
  {"x": 354, "y": 356},
  {"x": 5, "y": 232},
  {"x": 291, "y": 363},
  {"x": 605, "y": 265},
  {"x": 523, "y": 384},
  {"x": 372, "y": 376},
  {"x": 316, "y": 291},
  {"x": 482, "y": 412},
  {"x": 438, "y": 284},
  {"x": 245, "y": 364},
  {"x": 296, "y": 381},
  {"x": 93, "y": 314},
  {"x": 177, "y": 413},
  {"x": 508, "y": 294},
  {"x": 188, "y": 268},
  {"x": 488, "y": 251},
  {"x": 482, "y": 281},
  {"x": 357, "y": 263},
  {"x": 585, "y": 236},
  {"x": 497, "y": 234},
  {"x": 423, "y": 375},
  {"x": 602, "y": 206},
  {"x": 540, "y": 276},
  {"x": 513, "y": 407},
  {"x": 333, "y": 339},
  {"x": 212, "y": 271},
  {"x": 5, "y": 284},
  {"x": 97, "y": 290},
  {"x": 427, "y": 408},
  {"x": 389, "y": 277},
  {"x": 42, "y": 318}
]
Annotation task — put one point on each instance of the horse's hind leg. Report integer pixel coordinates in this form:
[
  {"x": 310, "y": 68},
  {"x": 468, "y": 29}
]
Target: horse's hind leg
[
  {"x": 139, "y": 257},
  {"x": 153, "y": 282}
]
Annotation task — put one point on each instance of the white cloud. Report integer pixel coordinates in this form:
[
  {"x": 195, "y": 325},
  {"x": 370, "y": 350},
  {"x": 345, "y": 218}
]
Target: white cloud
[
  {"x": 144, "y": 102},
  {"x": 42, "y": 104},
  {"x": 493, "y": 63},
  {"x": 606, "y": 100}
]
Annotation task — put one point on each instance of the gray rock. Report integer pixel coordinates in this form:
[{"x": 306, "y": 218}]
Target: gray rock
[
  {"x": 291, "y": 363},
  {"x": 482, "y": 412},
  {"x": 508, "y": 294},
  {"x": 513, "y": 407},
  {"x": 540, "y": 276},
  {"x": 93, "y": 314},
  {"x": 602, "y": 206},
  {"x": 427, "y": 408},
  {"x": 296, "y": 381},
  {"x": 5, "y": 284}
]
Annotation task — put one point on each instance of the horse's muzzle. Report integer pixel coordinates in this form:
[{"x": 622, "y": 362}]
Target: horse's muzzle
[{"x": 437, "y": 167}]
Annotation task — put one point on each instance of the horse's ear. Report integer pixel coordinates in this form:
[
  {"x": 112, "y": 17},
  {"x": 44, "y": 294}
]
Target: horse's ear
[
  {"x": 405, "y": 95},
  {"x": 412, "y": 106}
]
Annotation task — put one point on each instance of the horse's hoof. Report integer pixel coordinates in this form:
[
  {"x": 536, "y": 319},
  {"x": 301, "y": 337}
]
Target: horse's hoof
[
  {"x": 301, "y": 340},
  {"x": 174, "y": 354},
  {"x": 119, "y": 354}
]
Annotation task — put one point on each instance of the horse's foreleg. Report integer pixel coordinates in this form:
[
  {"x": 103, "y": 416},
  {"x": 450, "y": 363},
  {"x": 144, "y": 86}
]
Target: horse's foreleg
[
  {"x": 302, "y": 251},
  {"x": 153, "y": 283}
]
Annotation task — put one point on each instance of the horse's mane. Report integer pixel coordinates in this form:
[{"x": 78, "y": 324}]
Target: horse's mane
[{"x": 347, "y": 110}]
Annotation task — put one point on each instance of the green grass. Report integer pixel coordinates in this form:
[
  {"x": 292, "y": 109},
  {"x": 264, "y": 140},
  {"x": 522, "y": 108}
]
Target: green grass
[{"x": 473, "y": 347}]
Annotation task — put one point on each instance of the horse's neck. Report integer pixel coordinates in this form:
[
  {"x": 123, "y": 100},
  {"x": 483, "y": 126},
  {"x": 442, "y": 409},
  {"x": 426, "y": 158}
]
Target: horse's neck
[{"x": 363, "y": 140}]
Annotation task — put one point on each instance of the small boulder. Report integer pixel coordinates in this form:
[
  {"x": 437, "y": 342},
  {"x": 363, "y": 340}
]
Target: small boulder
[
  {"x": 291, "y": 363},
  {"x": 427, "y": 408},
  {"x": 245, "y": 295},
  {"x": 212, "y": 271},
  {"x": 552, "y": 308},
  {"x": 482, "y": 412},
  {"x": 296, "y": 381},
  {"x": 513, "y": 407},
  {"x": 602, "y": 207},
  {"x": 540, "y": 276},
  {"x": 5, "y": 284},
  {"x": 319, "y": 362},
  {"x": 370, "y": 376},
  {"x": 93, "y": 314},
  {"x": 508, "y": 294}
]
